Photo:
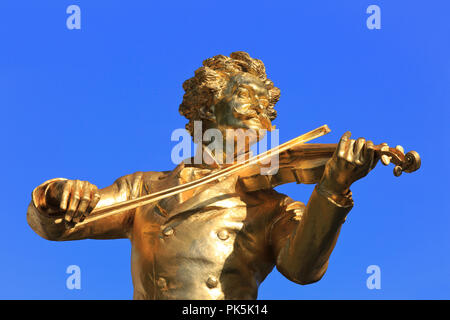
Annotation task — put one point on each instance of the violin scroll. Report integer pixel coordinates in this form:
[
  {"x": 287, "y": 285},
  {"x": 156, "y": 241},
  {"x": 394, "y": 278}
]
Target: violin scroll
[{"x": 403, "y": 163}]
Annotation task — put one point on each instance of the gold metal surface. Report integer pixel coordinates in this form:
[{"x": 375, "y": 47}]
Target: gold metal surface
[
  {"x": 212, "y": 231},
  {"x": 115, "y": 208}
]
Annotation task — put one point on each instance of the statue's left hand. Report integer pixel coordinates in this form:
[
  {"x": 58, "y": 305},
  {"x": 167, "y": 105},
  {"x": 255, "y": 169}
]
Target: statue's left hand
[{"x": 352, "y": 160}]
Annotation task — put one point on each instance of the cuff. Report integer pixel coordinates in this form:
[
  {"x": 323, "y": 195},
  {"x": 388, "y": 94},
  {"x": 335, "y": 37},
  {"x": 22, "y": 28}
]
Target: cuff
[{"x": 340, "y": 200}]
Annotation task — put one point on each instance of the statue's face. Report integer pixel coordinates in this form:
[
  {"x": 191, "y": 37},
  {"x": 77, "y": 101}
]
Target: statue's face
[{"x": 243, "y": 104}]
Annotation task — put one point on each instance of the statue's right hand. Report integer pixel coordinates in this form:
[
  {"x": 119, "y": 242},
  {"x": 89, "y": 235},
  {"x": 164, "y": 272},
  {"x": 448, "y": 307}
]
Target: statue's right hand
[{"x": 73, "y": 198}]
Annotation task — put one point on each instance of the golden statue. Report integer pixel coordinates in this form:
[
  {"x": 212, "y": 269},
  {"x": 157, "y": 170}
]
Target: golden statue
[{"x": 213, "y": 230}]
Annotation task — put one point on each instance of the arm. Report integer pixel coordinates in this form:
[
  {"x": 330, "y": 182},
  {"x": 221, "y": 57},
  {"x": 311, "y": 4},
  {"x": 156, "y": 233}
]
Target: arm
[
  {"x": 303, "y": 239},
  {"x": 60, "y": 199}
]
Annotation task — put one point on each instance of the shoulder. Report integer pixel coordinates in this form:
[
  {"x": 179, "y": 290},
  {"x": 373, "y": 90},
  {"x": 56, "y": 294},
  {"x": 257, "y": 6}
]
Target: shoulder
[
  {"x": 284, "y": 219},
  {"x": 288, "y": 212},
  {"x": 281, "y": 200},
  {"x": 278, "y": 204},
  {"x": 139, "y": 182},
  {"x": 280, "y": 212}
]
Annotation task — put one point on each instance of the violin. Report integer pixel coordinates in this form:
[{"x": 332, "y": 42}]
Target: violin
[
  {"x": 305, "y": 163},
  {"x": 298, "y": 161}
]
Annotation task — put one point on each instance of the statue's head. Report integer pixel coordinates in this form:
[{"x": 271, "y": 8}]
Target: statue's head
[{"x": 230, "y": 93}]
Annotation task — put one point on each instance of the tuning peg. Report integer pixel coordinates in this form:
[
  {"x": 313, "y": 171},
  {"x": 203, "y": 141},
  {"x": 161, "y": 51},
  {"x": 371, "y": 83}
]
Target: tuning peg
[
  {"x": 385, "y": 159},
  {"x": 400, "y": 148},
  {"x": 398, "y": 171}
]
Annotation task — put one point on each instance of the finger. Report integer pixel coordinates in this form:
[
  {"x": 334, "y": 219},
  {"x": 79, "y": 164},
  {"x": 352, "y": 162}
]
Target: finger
[
  {"x": 370, "y": 155},
  {"x": 85, "y": 197},
  {"x": 358, "y": 151},
  {"x": 94, "y": 200},
  {"x": 74, "y": 201},
  {"x": 348, "y": 155},
  {"x": 346, "y": 135},
  {"x": 65, "y": 195},
  {"x": 345, "y": 138},
  {"x": 343, "y": 144}
]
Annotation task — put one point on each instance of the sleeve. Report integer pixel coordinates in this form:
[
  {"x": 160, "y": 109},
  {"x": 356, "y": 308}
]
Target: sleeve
[
  {"x": 50, "y": 225},
  {"x": 302, "y": 238}
]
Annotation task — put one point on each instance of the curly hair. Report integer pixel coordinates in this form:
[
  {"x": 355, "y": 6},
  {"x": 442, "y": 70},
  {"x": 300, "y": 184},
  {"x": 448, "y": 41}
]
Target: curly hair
[{"x": 210, "y": 81}]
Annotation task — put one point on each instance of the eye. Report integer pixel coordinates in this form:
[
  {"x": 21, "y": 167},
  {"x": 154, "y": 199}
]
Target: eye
[{"x": 243, "y": 93}]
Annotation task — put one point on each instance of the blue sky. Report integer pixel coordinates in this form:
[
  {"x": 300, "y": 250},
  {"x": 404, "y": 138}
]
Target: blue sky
[{"x": 101, "y": 102}]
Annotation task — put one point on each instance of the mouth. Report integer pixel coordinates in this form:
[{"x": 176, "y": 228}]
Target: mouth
[
  {"x": 257, "y": 122},
  {"x": 252, "y": 117}
]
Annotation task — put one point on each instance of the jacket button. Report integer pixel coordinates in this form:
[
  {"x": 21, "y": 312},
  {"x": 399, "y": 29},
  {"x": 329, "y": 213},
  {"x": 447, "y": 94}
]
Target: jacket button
[
  {"x": 161, "y": 283},
  {"x": 223, "y": 234},
  {"x": 212, "y": 282},
  {"x": 168, "y": 231}
]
